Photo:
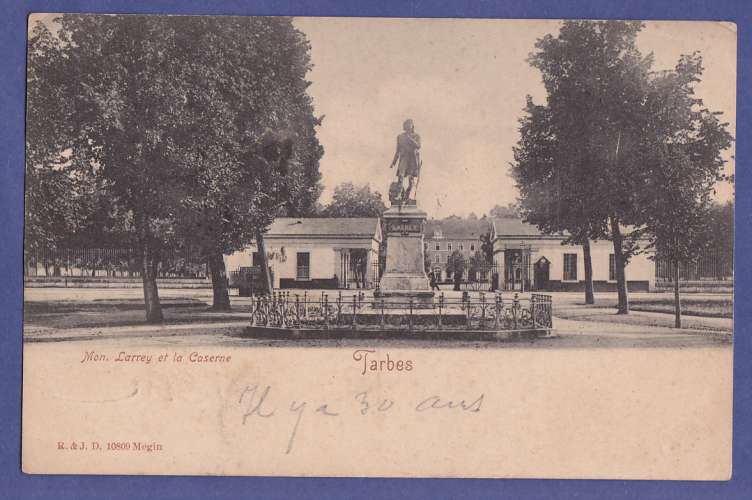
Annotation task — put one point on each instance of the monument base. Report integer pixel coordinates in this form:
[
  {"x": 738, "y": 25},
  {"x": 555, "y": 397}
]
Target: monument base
[
  {"x": 403, "y": 299},
  {"x": 405, "y": 280}
]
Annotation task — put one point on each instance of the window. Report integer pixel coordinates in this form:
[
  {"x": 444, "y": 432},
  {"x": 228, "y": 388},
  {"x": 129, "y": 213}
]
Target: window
[
  {"x": 611, "y": 267},
  {"x": 472, "y": 248},
  {"x": 303, "y": 266},
  {"x": 449, "y": 247},
  {"x": 255, "y": 259},
  {"x": 462, "y": 247},
  {"x": 437, "y": 258},
  {"x": 570, "y": 267},
  {"x": 438, "y": 246}
]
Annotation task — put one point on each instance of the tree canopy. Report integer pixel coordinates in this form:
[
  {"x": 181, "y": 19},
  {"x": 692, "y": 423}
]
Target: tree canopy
[
  {"x": 618, "y": 149},
  {"x": 350, "y": 200},
  {"x": 198, "y": 129}
]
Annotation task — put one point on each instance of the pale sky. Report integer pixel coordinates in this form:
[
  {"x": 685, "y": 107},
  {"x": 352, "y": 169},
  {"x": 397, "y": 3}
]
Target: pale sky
[{"x": 464, "y": 83}]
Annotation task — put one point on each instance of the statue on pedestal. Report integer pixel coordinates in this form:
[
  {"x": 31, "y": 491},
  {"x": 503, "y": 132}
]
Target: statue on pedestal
[{"x": 407, "y": 159}]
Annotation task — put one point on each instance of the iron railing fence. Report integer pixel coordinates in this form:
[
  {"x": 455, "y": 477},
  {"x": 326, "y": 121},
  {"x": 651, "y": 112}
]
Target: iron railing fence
[
  {"x": 712, "y": 265},
  {"x": 332, "y": 312},
  {"x": 110, "y": 263}
]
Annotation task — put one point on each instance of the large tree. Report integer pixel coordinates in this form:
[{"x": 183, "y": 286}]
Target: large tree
[
  {"x": 589, "y": 165},
  {"x": 553, "y": 190},
  {"x": 683, "y": 153},
  {"x": 586, "y": 157},
  {"x": 188, "y": 124},
  {"x": 56, "y": 199},
  {"x": 258, "y": 152},
  {"x": 350, "y": 200}
]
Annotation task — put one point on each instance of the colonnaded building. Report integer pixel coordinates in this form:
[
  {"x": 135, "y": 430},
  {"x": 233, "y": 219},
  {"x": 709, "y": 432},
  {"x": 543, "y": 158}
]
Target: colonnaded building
[{"x": 345, "y": 253}]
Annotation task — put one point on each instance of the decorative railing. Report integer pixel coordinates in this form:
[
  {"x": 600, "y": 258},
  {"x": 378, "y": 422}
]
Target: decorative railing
[{"x": 486, "y": 312}]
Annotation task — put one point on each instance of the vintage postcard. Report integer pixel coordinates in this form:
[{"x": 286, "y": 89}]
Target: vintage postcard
[{"x": 378, "y": 247}]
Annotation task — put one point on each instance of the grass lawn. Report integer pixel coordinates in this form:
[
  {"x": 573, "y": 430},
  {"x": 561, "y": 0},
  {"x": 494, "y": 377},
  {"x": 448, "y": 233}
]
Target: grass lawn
[
  {"x": 709, "y": 307},
  {"x": 64, "y": 314}
]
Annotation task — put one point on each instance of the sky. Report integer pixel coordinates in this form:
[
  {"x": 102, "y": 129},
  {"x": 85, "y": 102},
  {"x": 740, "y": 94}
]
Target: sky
[{"x": 464, "y": 83}]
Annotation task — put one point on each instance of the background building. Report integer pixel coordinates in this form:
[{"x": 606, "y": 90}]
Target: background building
[
  {"x": 317, "y": 252},
  {"x": 530, "y": 260},
  {"x": 445, "y": 236}
]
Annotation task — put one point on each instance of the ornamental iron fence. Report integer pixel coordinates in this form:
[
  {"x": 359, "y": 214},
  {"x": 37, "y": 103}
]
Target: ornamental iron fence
[
  {"x": 284, "y": 310},
  {"x": 710, "y": 265}
]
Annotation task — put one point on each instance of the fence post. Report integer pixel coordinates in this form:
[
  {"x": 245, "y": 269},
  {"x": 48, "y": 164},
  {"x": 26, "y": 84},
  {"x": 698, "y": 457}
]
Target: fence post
[
  {"x": 498, "y": 311},
  {"x": 441, "y": 306},
  {"x": 267, "y": 309},
  {"x": 297, "y": 310},
  {"x": 339, "y": 306},
  {"x": 381, "y": 321},
  {"x": 410, "y": 324},
  {"x": 482, "y": 309},
  {"x": 355, "y": 311},
  {"x": 325, "y": 309},
  {"x": 515, "y": 307},
  {"x": 533, "y": 300},
  {"x": 466, "y": 306}
]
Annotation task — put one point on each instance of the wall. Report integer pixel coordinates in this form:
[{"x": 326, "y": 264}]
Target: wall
[
  {"x": 640, "y": 270},
  {"x": 325, "y": 258}
]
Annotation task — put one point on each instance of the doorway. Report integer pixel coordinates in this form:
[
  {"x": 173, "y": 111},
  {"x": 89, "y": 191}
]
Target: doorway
[{"x": 541, "y": 274}]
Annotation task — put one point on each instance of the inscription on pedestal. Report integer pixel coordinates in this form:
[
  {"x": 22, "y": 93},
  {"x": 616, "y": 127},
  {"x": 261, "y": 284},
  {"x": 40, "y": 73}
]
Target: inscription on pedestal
[
  {"x": 405, "y": 271},
  {"x": 404, "y": 226}
]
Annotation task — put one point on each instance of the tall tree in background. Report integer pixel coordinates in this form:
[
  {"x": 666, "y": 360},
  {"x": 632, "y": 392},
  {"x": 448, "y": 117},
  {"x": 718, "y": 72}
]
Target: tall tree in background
[
  {"x": 349, "y": 200},
  {"x": 173, "y": 117},
  {"x": 683, "y": 152},
  {"x": 486, "y": 247},
  {"x": 455, "y": 266},
  {"x": 511, "y": 210}
]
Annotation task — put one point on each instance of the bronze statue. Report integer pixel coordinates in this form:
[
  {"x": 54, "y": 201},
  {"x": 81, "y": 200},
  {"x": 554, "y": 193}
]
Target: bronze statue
[{"x": 407, "y": 159}]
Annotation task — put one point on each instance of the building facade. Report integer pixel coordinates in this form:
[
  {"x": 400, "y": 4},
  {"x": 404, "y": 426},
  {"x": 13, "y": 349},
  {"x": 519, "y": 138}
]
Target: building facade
[
  {"x": 530, "y": 260},
  {"x": 444, "y": 237},
  {"x": 344, "y": 253},
  {"x": 317, "y": 252}
]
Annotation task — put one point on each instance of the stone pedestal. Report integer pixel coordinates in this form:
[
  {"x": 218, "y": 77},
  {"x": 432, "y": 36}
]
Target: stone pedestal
[{"x": 404, "y": 278}]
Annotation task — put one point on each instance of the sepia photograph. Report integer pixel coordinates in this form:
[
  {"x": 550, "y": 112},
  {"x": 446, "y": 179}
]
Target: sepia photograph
[{"x": 378, "y": 247}]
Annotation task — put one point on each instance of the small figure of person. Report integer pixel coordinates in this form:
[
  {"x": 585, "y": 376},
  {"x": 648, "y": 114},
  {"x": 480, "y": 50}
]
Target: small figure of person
[
  {"x": 433, "y": 279},
  {"x": 407, "y": 158}
]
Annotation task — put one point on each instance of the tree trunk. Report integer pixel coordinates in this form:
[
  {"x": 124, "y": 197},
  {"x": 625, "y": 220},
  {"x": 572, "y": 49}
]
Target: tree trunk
[
  {"x": 221, "y": 300},
  {"x": 621, "y": 281},
  {"x": 589, "y": 297},
  {"x": 266, "y": 276},
  {"x": 149, "y": 266},
  {"x": 677, "y": 301}
]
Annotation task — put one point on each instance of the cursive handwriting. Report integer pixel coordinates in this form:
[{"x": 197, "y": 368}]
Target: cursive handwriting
[{"x": 256, "y": 400}]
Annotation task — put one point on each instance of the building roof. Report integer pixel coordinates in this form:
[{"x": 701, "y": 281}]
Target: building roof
[
  {"x": 457, "y": 228},
  {"x": 510, "y": 227},
  {"x": 353, "y": 227}
]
